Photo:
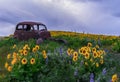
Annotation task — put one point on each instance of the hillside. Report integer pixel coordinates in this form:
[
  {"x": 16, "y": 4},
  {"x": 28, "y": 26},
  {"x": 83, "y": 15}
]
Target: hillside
[{"x": 75, "y": 41}]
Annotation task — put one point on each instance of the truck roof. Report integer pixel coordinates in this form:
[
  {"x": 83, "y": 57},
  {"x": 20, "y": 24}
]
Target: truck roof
[{"x": 30, "y": 23}]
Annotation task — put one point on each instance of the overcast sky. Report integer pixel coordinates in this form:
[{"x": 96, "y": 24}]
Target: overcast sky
[{"x": 90, "y": 16}]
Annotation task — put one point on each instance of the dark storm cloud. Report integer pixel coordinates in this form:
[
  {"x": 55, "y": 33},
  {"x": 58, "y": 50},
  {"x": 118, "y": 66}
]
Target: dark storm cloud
[{"x": 93, "y": 16}]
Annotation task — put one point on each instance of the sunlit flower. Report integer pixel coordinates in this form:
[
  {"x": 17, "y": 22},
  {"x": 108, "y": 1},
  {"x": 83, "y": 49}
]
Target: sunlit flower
[
  {"x": 24, "y": 48},
  {"x": 98, "y": 54},
  {"x": 9, "y": 68},
  {"x": 44, "y": 56},
  {"x": 89, "y": 44},
  {"x": 21, "y": 52},
  {"x": 24, "y": 61},
  {"x": 114, "y": 78},
  {"x": 8, "y": 56},
  {"x": 86, "y": 63},
  {"x": 6, "y": 65},
  {"x": 13, "y": 61},
  {"x": 101, "y": 52},
  {"x": 71, "y": 51},
  {"x": 101, "y": 61},
  {"x": 101, "y": 57},
  {"x": 34, "y": 50},
  {"x": 87, "y": 55},
  {"x": 19, "y": 58},
  {"x": 97, "y": 64},
  {"x": 93, "y": 49},
  {"x": 25, "y": 52},
  {"x": 37, "y": 47},
  {"x": 75, "y": 54},
  {"x": 91, "y": 60},
  {"x": 97, "y": 46},
  {"x": 14, "y": 46},
  {"x": 75, "y": 59},
  {"x": 95, "y": 54},
  {"x": 84, "y": 51},
  {"x": 80, "y": 51},
  {"x": 32, "y": 61},
  {"x": 14, "y": 55},
  {"x": 88, "y": 49},
  {"x": 26, "y": 45},
  {"x": 68, "y": 52},
  {"x": 44, "y": 52}
]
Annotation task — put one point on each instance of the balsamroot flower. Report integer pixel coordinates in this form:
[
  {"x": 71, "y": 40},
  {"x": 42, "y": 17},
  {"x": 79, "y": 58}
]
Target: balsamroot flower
[
  {"x": 32, "y": 61},
  {"x": 9, "y": 68},
  {"x": 24, "y": 61}
]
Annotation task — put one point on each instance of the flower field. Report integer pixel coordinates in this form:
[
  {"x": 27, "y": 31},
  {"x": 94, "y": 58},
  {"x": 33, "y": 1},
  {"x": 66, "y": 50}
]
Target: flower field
[{"x": 85, "y": 58}]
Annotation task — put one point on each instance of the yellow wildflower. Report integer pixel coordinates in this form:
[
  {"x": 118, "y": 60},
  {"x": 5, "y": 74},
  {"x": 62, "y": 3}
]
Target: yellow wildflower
[
  {"x": 97, "y": 64},
  {"x": 14, "y": 55},
  {"x": 75, "y": 59},
  {"x": 34, "y": 50},
  {"x": 14, "y": 46},
  {"x": 88, "y": 49},
  {"x": 44, "y": 56},
  {"x": 84, "y": 51},
  {"x": 93, "y": 49},
  {"x": 37, "y": 47},
  {"x": 101, "y": 52},
  {"x": 114, "y": 78},
  {"x": 86, "y": 63},
  {"x": 89, "y": 44},
  {"x": 21, "y": 52},
  {"x": 91, "y": 60},
  {"x": 98, "y": 52},
  {"x": 95, "y": 54},
  {"x": 68, "y": 51},
  {"x": 97, "y": 46},
  {"x": 6, "y": 65},
  {"x": 80, "y": 51},
  {"x": 71, "y": 51},
  {"x": 101, "y": 57},
  {"x": 32, "y": 61},
  {"x": 25, "y": 52},
  {"x": 87, "y": 55},
  {"x": 101, "y": 61},
  {"x": 8, "y": 56},
  {"x": 25, "y": 47},
  {"x": 75, "y": 54},
  {"x": 24, "y": 61},
  {"x": 44, "y": 52},
  {"x": 13, "y": 61},
  {"x": 9, "y": 68}
]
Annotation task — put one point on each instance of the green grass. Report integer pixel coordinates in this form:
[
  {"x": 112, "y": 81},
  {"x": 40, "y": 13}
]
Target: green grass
[{"x": 72, "y": 42}]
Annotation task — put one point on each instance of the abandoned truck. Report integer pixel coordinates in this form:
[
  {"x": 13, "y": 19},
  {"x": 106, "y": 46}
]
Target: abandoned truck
[
  {"x": 28, "y": 30},
  {"x": 35, "y": 30}
]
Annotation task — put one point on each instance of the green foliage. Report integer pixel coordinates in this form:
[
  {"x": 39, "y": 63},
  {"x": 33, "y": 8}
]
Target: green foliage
[
  {"x": 116, "y": 46},
  {"x": 60, "y": 66}
]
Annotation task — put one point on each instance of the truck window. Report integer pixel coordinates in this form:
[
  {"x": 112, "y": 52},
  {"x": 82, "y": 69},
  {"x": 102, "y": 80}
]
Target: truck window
[
  {"x": 20, "y": 27},
  {"x": 35, "y": 27},
  {"x": 41, "y": 27}
]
